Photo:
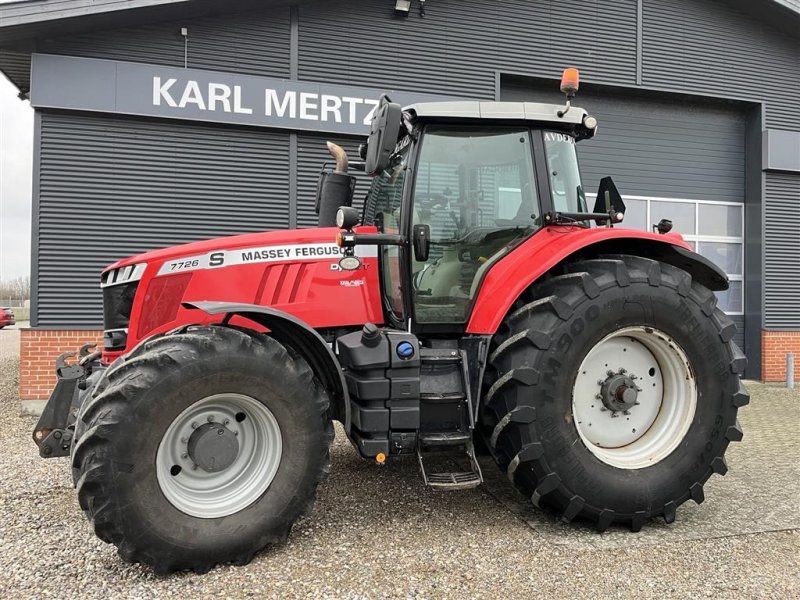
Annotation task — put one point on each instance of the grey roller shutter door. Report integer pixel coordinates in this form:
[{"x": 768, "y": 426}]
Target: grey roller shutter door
[
  {"x": 112, "y": 187},
  {"x": 782, "y": 252},
  {"x": 656, "y": 148}
]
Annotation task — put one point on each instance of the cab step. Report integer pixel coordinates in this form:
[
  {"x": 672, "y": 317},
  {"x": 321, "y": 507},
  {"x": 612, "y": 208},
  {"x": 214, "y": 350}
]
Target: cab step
[{"x": 448, "y": 480}]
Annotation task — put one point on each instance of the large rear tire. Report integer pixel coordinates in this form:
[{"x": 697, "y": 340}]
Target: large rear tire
[
  {"x": 612, "y": 391},
  {"x": 202, "y": 447}
]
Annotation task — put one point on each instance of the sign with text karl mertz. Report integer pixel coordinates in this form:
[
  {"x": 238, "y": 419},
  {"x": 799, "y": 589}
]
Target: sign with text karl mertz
[{"x": 156, "y": 91}]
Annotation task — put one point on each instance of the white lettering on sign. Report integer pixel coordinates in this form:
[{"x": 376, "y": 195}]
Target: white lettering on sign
[
  {"x": 246, "y": 256},
  {"x": 192, "y": 95},
  {"x": 307, "y": 105},
  {"x": 219, "y": 92},
  {"x": 283, "y": 104},
  {"x": 289, "y": 101},
  {"x": 162, "y": 91},
  {"x": 237, "y": 102},
  {"x": 331, "y": 104}
]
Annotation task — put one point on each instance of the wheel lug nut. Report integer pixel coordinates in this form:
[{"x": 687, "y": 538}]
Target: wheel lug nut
[
  {"x": 226, "y": 421},
  {"x": 636, "y": 403},
  {"x": 194, "y": 424},
  {"x": 600, "y": 382},
  {"x": 194, "y": 467},
  {"x": 184, "y": 440},
  {"x": 598, "y": 396},
  {"x": 610, "y": 373},
  {"x": 210, "y": 418},
  {"x": 626, "y": 412},
  {"x": 603, "y": 409},
  {"x": 184, "y": 455},
  {"x": 622, "y": 371},
  {"x": 614, "y": 414}
]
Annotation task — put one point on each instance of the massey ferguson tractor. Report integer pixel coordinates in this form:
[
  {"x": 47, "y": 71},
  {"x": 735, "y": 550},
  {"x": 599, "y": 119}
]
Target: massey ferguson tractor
[{"x": 474, "y": 302}]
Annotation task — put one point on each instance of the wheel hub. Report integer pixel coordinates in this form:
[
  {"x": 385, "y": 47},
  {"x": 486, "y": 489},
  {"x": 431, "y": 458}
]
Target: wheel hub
[
  {"x": 213, "y": 448},
  {"x": 619, "y": 392}
]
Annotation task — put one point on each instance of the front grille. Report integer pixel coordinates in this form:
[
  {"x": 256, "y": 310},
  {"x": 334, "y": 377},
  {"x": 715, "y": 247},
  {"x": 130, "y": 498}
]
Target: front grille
[{"x": 117, "y": 305}]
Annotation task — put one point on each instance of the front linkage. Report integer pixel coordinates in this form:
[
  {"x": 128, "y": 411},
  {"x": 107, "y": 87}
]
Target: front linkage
[{"x": 53, "y": 432}]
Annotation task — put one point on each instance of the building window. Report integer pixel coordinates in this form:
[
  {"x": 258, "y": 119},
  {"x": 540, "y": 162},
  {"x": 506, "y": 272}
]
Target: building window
[{"x": 714, "y": 229}]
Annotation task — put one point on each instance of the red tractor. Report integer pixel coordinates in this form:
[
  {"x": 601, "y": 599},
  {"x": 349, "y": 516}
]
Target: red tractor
[{"x": 474, "y": 301}]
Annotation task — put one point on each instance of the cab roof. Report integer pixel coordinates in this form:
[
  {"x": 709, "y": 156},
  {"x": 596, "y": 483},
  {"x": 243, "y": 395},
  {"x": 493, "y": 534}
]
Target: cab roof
[{"x": 467, "y": 110}]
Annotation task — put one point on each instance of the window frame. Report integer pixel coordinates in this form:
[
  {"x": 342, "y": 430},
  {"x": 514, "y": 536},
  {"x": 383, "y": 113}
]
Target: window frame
[{"x": 696, "y": 237}]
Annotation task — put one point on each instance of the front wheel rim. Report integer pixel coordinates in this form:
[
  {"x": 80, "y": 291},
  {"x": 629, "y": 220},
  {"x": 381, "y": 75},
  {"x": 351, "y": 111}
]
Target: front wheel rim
[
  {"x": 200, "y": 493},
  {"x": 634, "y": 398}
]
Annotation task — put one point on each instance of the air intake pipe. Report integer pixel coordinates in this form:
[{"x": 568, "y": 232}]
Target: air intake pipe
[{"x": 335, "y": 188}]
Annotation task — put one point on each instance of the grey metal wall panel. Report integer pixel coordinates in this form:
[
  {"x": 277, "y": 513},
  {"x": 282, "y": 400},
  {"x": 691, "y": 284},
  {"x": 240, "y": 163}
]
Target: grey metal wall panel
[
  {"x": 654, "y": 147},
  {"x": 17, "y": 67},
  {"x": 112, "y": 187},
  {"x": 782, "y": 252},
  {"x": 252, "y": 42},
  {"x": 459, "y": 45},
  {"x": 709, "y": 46},
  {"x": 311, "y": 154}
]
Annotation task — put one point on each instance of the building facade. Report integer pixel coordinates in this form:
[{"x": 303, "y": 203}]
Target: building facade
[{"x": 159, "y": 123}]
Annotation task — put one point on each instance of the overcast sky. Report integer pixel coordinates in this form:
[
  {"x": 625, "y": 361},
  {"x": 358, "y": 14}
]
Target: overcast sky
[{"x": 16, "y": 152}]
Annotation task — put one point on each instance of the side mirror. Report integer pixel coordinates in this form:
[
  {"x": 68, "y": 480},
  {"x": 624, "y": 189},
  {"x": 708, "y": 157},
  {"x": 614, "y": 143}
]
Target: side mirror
[
  {"x": 421, "y": 239},
  {"x": 383, "y": 133}
]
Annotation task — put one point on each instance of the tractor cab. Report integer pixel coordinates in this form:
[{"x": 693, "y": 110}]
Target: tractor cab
[{"x": 464, "y": 183}]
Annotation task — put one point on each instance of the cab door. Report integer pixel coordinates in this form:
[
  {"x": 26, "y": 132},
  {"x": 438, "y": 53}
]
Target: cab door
[{"x": 475, "y": 188}]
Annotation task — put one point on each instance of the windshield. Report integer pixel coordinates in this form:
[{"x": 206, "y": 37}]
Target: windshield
[{"x": 565, "y": 177}]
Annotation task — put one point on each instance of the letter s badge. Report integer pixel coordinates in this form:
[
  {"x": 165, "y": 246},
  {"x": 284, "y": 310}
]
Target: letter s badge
[{"x": 216, "y": 259}]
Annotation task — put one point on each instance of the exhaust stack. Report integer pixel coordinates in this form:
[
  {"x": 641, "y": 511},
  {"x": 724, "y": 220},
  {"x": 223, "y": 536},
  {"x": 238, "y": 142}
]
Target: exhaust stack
[{"x": 335, "y": 188}]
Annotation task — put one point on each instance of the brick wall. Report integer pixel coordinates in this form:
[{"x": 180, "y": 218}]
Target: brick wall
[
  {"x": 40, "y": 347},
  {"x": 38, "y": 351},
  {"x": 775, "y": 345}
]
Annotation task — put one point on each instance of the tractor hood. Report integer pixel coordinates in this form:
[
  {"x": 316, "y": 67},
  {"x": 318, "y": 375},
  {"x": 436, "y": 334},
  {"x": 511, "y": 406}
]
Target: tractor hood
[{"x": 296, "y": 272}]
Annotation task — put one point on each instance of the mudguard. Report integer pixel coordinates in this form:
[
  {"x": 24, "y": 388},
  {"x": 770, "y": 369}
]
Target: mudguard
[
  {"x": 550, "y": 246},
  {"x": 293, "y": 332}
]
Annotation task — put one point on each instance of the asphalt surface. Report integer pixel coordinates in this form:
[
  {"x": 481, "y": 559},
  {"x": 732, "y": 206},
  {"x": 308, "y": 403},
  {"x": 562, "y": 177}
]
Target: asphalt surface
[{"x": 377, "y": 532}]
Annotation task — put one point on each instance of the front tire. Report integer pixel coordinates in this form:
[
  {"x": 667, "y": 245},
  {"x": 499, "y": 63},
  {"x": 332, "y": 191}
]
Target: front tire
[
  {"x": 202, "y": 447},
  {"x": 568, "y": 358}
]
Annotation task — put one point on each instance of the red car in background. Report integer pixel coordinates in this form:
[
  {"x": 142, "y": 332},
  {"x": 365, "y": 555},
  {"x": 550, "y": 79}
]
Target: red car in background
[{"x": 6, "y": 317}]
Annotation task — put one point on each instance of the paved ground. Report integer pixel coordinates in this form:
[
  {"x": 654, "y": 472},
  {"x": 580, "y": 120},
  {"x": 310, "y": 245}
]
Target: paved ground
[{"x": 377, "y": 532}]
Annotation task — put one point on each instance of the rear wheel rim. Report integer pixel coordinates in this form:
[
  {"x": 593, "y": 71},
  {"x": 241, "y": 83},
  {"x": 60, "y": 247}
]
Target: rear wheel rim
[
  {"x": 651, "y": 372},
  {"x": 199, "y": 493}
]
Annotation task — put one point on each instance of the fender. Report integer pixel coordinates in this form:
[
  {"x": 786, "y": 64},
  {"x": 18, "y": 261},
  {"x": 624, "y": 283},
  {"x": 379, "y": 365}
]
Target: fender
[
  {"x": 294, "y": 333},
  {"x": 550, "y": 246}
]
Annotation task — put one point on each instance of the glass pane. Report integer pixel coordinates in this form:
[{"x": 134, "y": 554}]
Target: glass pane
[
  {"x": 565, "y": 177},
  {"x": 720, "y": 219},
  {"x": 727, "y": 257},
  {"x": 732, "y": 299},
  {"x": 475, "y": 189},
  {"x": 680, "y": 213},
  {"x": 383, "y": 208},
  {"x": 636, "y": 215}
]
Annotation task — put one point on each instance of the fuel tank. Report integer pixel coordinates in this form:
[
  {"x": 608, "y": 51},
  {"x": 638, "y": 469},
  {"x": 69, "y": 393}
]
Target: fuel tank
[{"x": 294, "y": 271}]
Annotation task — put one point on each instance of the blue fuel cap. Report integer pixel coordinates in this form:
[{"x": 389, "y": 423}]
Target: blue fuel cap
[{"x": 405, "y": 350}]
